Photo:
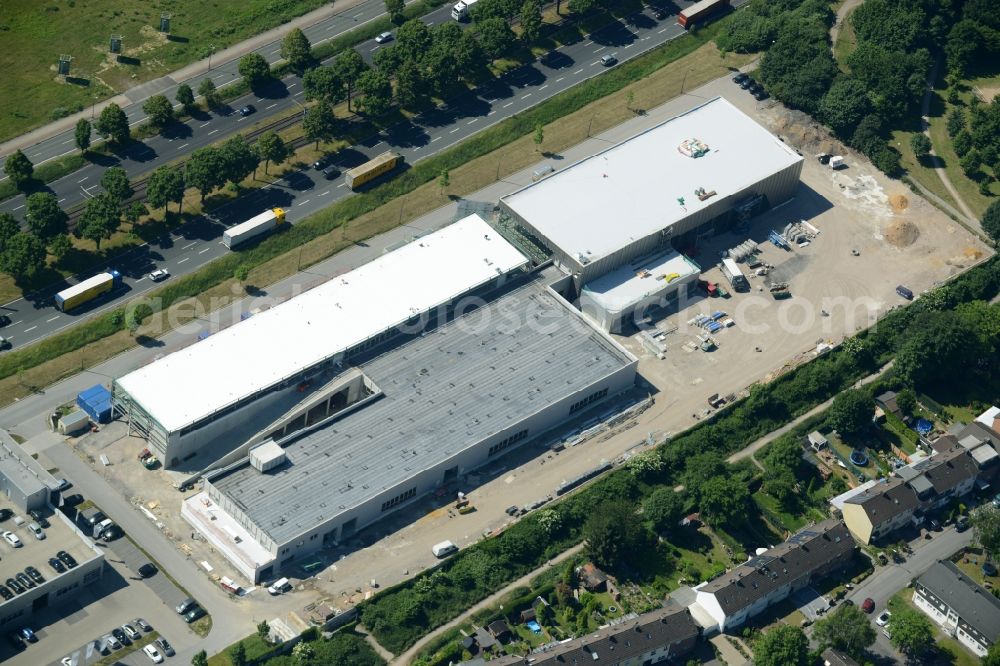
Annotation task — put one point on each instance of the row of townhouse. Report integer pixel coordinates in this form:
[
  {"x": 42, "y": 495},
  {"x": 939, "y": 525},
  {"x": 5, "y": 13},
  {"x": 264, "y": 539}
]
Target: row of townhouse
[
  {"x": 962, "y": 607},
  {"x": 958, "y": 463}
]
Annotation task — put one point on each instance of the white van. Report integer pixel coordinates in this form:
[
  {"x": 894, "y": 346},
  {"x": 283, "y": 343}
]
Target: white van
[
  {"x": 280, "y": 586},
  {"x": 444, "y": 549}
]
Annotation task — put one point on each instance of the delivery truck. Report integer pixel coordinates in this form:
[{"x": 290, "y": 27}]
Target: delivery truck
[
  {"x": 254, "y": 227},
  {"x": 88, "y": 290},
  {"x": 460, "y": 12},
  {"x": 372, "y": 169},
  {"x": 444, "y": 549},
  {"x": 700, "y": 11},
  {"x": 733, "y": 273}
]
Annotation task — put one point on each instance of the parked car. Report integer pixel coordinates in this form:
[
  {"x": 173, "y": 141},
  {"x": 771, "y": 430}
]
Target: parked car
[
  {"x": 153, "y": 653},
  {"x": 608, "y": 61},
  {"x": 659, "y": 13},
  {"x": 883, "y": 618},
  {"x": 868, "y": 605},
  {"x": 746, "y": 83},
  {"x": 511, "y": 510},
  {"x": 63, "y": 484},
  {"x": 37, "y": 530},
  {"x": 5, "y": 514},
  {"x": 962, "y": 524},
  {"x": 6, "y": 593},
  {"x": 23, "y": 579},
  {"x": 34, "y": 575},
  {"x": 28, "y": 635},
  {"x": 131, "y": 632},
  {"x": 740, "y": 78},
  {"x": 159, "y": 274},
  {"x": 989, "y": 569},
  {"x": 383, "y": 37},
  {"x": 12, "y": 539},
  {"x": 14, "y": 585},
  {"x": 57, "y": 564},
  {"x": 4, "y": 320},
  {"x": 247, "y": 110},
  {"x": 147, "y": 570},
  {"x": 142, "y": 624},
  {"x": 761, "y": 95},
  {"x": 165, "y": 646},
  {"x": 185, "y": 606},
  {"x": 5, "y": 343},
  {"x": 120, "y": 635},
  {"x": 72, "y": 500},
  {"x": 66, "y": 558},
  {"x": 195, "y": 613},
  {"x": 331, "y": 172},
  {"x": 39, "y": 518},
  {"x": 112, "y": 642}
]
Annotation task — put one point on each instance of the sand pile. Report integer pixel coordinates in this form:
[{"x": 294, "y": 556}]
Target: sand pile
[
  {"x": 902, "y": 233},
  {"x": 898, "y": 202}
]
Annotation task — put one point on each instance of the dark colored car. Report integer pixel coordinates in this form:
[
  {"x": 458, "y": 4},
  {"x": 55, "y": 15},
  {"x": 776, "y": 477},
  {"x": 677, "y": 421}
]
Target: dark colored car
[
  {"x": 14, "y": 585},
  {"x": 511, "y": 510},
  {"x": 746, "y": 83},
  {"x": 23, "y": 579},
  {"x": 761, "y": 95},
  {"x": 39, "y": 518},
  {"x": 73, "y": 500},
  {"x": 28, "y": 635},
  {"x": 740, "y": 78},
  {"x": 659, "y": 13},
  {"x": 247, "y": 110},
  {"x": 164, "y": 645},
  {"x": 34, "y": 575},
  {"x": 5, "y": 593},
  {"x": 147, "y": 570},
  {"x": 989, "y": 569},
  {"x": 322, "y": 162},
  {"x": 331, "y": 172},
  {"x": 15, "y": 640},
  {"x": 195, "y": 613},
  {"x": 120, "y": 635},
  {"x": 4, "y": 320},
  {"x": 56, "y": 564},
  {"x": 5, "y": 514},
  {"x": 962, "y": 524},
  {"x": 868, "y": 606},
  {"x": 66, "y": 558},
  {"x": 185, "y": 606}
]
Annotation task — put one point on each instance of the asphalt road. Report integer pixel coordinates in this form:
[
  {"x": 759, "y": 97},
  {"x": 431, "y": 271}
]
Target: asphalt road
[
  {"x": 222, "y": 74},
  {"x": 304, "y": 193}
]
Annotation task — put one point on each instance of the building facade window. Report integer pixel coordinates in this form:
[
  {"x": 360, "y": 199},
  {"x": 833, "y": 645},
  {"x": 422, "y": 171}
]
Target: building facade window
[
  {"x": 399, "y": 499},
  {"x": 592, "y": 398},
  {"x": 508, "y": 442}
]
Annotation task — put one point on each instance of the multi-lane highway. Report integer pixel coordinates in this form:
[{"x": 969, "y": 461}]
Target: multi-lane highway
[{"x": 306, "y": 192}]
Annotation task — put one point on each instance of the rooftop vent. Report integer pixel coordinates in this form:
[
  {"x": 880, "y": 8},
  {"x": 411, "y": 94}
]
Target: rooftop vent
[{"x": 267, "y": 456}]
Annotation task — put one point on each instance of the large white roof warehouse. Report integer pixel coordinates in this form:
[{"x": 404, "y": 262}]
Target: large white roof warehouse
[
  {"x": 273, "y": 346},
  {"x": 710, "y": 157}
]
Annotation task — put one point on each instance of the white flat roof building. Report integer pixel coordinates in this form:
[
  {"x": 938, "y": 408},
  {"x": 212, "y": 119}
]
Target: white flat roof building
[
  {"x": 690, "y": 169},
  {"x": 274, "y": 346}
]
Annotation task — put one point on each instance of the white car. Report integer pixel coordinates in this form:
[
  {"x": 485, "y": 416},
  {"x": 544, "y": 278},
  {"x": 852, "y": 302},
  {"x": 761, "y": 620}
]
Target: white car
[
  {"x": 159, "y": 274},
  {"x": 12, "y": 539},
  {"x": 153, "y": 653},
  {"x": 36, "y": 529},
  {"x": 131, "y": 632},
  {"x": 383, "y": 37},
  {"x": 883, "y": 618}
]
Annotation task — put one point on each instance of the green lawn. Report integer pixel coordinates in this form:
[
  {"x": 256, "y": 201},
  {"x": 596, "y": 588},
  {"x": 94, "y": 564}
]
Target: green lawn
[
  {"x": 973, "y": 568},
  {"x": 844, "y": 449},
  {"x": 254, "y": 646},
  {"x": 950, "y": 649},
  {"x": 847, "y": 41},
  {"x": 693, "y": 554},
  {"x": 789, "y": 522},
  {"x": 36, "y": 33}
]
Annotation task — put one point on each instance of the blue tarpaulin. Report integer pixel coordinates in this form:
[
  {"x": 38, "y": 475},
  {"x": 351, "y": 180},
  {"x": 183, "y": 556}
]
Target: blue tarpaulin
[
  {"x": 924, "y": 426},
  {"x": 96, "y": 401}
]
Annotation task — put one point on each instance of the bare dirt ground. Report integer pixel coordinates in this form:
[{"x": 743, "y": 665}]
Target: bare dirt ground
[{"x": 898, "y": 239}]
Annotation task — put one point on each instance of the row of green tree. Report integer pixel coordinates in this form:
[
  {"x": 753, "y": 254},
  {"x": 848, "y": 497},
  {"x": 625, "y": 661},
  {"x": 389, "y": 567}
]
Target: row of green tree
[
  {"x": 975, "y": 137},
  {"x": 694, "y": 459},
  {"x": 24, "y": 253}
]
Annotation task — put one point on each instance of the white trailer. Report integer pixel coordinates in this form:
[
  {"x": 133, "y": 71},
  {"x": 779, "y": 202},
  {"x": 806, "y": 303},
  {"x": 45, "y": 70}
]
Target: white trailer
[
  {"x": 255, "y": 226},
  {"x": 734, "y": 274},
  {"x": 460, "y": 11}
]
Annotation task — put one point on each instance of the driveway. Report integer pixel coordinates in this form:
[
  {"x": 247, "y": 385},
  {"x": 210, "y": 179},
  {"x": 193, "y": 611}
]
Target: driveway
[{"x": 810, "y": 603}]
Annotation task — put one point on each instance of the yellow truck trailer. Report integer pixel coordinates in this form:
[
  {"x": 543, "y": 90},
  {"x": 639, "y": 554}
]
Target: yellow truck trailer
[
  {"x": 89, "y": 289},
  {"x": 372, "y": 169}
]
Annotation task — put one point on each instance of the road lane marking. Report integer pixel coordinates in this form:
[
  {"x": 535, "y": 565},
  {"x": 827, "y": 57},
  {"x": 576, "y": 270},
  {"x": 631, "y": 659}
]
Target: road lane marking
[
  {"x": 140, "y": 279},
  {"x": 595, "y": 63},
  {"x": 560, "y": 79},
  {"x": 28, "y": 330},
  {"x": 213, "y": 132},
  {"x": 437, "y": 138},
  {"x": 291, "y": 85},
  {"x": 323, "y": 194},
  {"x": 600, "y": 49},
  {"x": 491, "y": 112},
  {"x": 67, "y": 141},
  {"x": 472, "y": 121},
  {"x": 298, "y": 93},
  {"x": 49, "y": 321},
  {"x": 17, "y": 322},
  {"x": 189, "y": 245},
  {"x": 661, "y": 31},
  {"x": 526, "y": 96},
  {"x": 508, "y": 104},
  {"x": 83, "y": 179},
  {"x": 373, "y": 50},
  {"x": 206, "y": 124},
  {"x": 19, "y": 207},
  {"x": 543, "y": 87},
  {"x": 588, "y": 43},
  {"x": 578, "y": 71},
  {"x": 304, "y": 202},
  {"x": 275, "y": 51},
  {"x": 183, "y": 147},
  {"x": 241, "y": 119},
  {"x": 183, "y": 260},
  {"x": 454, "y": 130},
  {"x": 61, "y": 200},
  {"x": 205, "y": 250},
  {"x": 271, "y": 107},
  {"x": 342, "y": 185},
  {"x": 628, "y": 46}
]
